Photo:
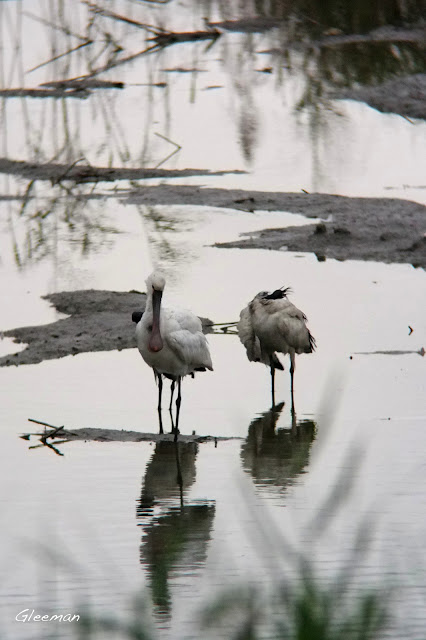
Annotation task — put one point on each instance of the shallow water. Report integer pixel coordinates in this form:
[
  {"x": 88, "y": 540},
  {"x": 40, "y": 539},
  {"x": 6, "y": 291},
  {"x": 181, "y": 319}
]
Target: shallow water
[
  {"x": 86, "y": 527},
  {"x": 87, "y": 512}
]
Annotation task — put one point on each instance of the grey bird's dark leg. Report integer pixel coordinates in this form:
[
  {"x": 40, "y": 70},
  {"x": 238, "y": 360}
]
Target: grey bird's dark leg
[
  {"x": 172, "y": 391},
  {"x": 292, "y": 369},
  {"x": 272, "y": 381}
]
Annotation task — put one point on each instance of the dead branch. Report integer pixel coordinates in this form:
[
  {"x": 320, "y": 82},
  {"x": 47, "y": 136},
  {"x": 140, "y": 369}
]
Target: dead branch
[
  {"x": 50, "y": 446},
  {"x": 116, "y": 16},
  {"x": 83, "y": 83},
  {"x": 168, "y": 38},
  {"x": 45, "y": 435},
  {"x": 45, "y": 424},
  {"x": 44, "y": 93},
  {"x": 115, "y": 63}
]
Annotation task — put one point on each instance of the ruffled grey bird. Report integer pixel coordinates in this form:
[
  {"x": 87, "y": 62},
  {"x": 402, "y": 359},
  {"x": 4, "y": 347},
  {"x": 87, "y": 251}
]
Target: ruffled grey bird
[{"x": 271, "y": 324}]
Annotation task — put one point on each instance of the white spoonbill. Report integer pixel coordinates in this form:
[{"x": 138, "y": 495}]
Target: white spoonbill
[
  {"x": 270, "y": 323},
  {"x": 171, "y": 341}
]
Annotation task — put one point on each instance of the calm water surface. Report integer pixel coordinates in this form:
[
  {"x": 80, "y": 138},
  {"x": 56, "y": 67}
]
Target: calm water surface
[{"x": 96, "y": 525}]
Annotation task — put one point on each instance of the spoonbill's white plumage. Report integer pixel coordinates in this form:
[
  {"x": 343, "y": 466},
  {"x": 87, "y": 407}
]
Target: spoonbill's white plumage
[
  {"x": 270, "y": 323},
  {"x": 171, "y": 341}
]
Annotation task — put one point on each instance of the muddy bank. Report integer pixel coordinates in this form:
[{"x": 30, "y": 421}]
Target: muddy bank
[
  {"x": 404, "y": 96},
  {"x": 89, "y": 434},
  {"x": 80, "y": 173},
  {"x": 98, "y": 321},
  {"x": 380, "y": 229},
  {"x": 54, "y": 438}
]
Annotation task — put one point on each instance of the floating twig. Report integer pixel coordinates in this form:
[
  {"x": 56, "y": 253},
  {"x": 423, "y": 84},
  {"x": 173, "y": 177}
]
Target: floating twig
[
  {"x": 46, "y": 435},
  {"x": 43, "y": 437},
  {"x": 51, "y": 434},
  {"x": 45, "y": 424},
  {"x": 50, "y": 446}
]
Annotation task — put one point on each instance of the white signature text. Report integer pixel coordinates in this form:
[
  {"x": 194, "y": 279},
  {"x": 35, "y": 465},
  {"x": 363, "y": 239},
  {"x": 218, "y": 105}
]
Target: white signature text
[{"x": 29, "y": 615}]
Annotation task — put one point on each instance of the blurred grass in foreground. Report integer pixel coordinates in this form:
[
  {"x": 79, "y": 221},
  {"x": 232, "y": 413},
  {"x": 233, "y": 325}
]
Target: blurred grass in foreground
[
  {"x": 309, "y": 610},
  {"x": 297, "y": 604}
]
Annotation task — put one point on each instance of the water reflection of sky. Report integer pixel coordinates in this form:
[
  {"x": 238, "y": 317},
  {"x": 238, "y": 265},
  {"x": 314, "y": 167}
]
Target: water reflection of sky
[
  {"x": 251, "y": 122},
  {"x": 344, "y": 148},
  {"x": 261, "y": 123}
]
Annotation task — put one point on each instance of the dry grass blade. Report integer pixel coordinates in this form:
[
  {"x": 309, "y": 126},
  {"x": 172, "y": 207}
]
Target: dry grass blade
[
  {"x": 116, "y": 16},
  {"x": 61, "y": 28},
  {"x": 61, "y": 55},
  {"x": 175, "y": 144},
  {"x": 120, "y": 61},
  {"x": 340, "y": 491},
  {"x": 26, "y": 197}
]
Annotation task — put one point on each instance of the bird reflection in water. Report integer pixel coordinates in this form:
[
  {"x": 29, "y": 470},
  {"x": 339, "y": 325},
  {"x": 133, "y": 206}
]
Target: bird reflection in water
[
  {"x": 275, "y": 458},
  {"x": 175, "y": 534}
]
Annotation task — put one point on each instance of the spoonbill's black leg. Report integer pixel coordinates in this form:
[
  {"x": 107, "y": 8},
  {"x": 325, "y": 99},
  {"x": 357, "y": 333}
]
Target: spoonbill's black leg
[
  {"x": 178, "y": 403},
  {"x": 160, "y": 392}
]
